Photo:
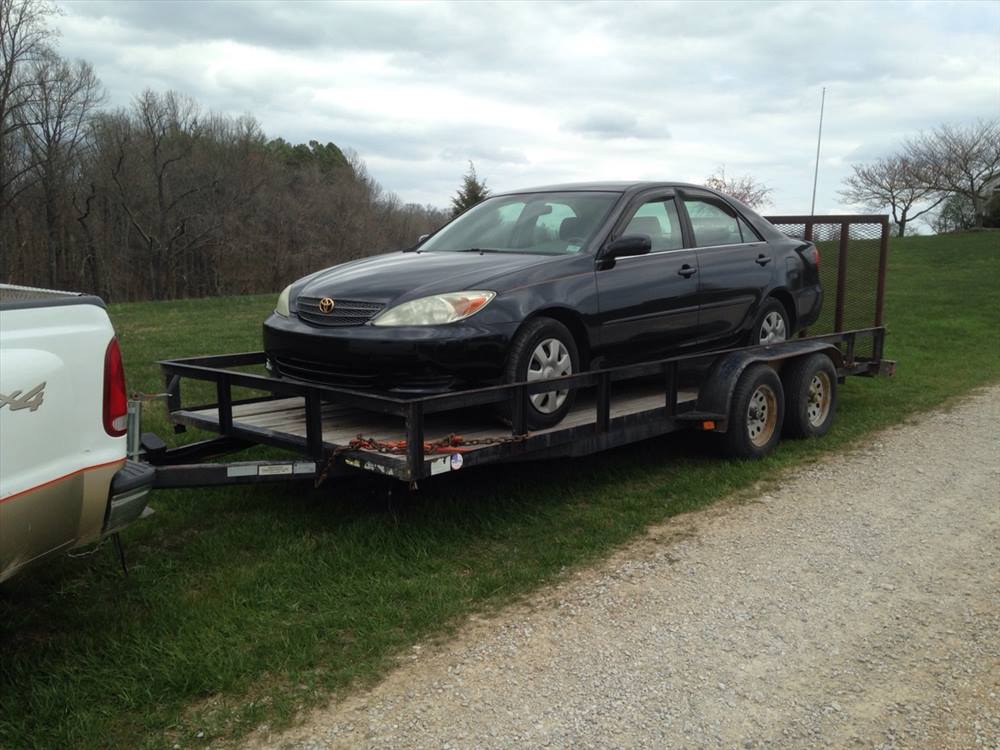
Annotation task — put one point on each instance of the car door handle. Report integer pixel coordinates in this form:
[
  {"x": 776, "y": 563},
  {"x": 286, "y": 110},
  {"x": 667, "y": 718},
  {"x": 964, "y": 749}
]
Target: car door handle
[
  {"x": 763, "y": 260},
  {"x": 687, "y": 271}
]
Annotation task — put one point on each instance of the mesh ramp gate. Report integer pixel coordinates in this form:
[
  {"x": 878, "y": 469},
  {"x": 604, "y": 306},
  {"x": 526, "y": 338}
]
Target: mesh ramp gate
[{"x": 853, "y": 255}]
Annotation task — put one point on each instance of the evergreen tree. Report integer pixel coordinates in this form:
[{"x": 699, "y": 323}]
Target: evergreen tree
[{"x": 473, "y": 191}]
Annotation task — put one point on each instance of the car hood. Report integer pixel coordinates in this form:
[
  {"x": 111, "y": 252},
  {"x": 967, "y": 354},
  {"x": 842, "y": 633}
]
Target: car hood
[{"x": 398, "y": 277}]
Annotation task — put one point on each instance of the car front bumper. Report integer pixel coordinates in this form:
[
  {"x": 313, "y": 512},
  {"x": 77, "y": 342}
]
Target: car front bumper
[{"x": 405, "y": 359}]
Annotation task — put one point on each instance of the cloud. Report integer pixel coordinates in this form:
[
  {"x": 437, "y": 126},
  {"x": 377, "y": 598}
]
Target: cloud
[
  {"x": 613, "y": 125},
  {"x": 559, "y": 91}
]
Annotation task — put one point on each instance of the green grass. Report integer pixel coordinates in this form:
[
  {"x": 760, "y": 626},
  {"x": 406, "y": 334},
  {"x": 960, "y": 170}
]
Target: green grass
[{"x": 244, "y": 605}]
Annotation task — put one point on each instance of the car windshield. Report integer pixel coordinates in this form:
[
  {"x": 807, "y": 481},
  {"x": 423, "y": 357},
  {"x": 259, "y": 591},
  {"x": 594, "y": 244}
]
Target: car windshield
[{"x": 539, "y": 223}]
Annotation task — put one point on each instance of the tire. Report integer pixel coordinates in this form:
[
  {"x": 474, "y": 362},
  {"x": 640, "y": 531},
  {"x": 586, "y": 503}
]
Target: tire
[
  {"x": 772, "y": 324},
  {"x": 543, "y": 344},
  {"x": 810, "y": 396},
  {"x": 756, "y": 412}
]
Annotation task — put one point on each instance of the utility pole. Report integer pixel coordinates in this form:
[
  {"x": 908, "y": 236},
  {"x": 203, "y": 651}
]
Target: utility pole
[{"x": 819, "y": 139}]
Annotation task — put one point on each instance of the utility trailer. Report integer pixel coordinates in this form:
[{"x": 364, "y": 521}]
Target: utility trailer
[
  {"x": 337, "y": 431},
  {"x": 742, "y": 394}
]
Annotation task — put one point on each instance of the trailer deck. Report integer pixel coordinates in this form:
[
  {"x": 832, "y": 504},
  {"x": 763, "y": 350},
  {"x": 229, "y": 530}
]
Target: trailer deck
[
  {"x": 413, "y": 438},
  {"x": 283, "y": 422}
]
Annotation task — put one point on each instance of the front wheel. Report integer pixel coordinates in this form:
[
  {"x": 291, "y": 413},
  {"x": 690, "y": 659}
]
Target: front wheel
[
  {"x": 756, "y": 412},
  {"x": 543, "y": 349}
]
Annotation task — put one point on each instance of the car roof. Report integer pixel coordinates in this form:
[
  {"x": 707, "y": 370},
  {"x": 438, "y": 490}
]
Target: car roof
[{"x": 619, "y": 186}]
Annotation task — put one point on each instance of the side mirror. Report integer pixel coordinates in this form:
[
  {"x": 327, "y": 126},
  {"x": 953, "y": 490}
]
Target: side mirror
[{"x": 630, "y": 244}]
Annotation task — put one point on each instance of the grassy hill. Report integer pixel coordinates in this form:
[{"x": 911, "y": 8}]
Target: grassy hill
[{"x": 247, "y": 604}]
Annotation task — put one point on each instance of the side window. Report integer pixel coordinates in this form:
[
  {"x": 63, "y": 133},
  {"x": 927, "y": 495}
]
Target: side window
[
  {"x": 713, "y": 222},
  {"x": 748, "y": 232},
  {"x": 658, "y": 219}
]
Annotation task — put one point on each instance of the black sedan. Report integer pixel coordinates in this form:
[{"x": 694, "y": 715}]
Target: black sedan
[{"x": 546, "y": 282}]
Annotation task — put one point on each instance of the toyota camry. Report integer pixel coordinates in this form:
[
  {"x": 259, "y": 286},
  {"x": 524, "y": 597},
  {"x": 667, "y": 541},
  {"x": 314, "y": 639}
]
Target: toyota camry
[{"x": 545, "y": 282}]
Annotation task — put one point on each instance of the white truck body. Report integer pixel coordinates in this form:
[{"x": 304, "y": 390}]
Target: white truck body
[{"x": 58, "y": 463}]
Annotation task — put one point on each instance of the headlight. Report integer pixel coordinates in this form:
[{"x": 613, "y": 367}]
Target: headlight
[
  {"x": 282, "y": 307},
  {"x": 436, "y": 310}
]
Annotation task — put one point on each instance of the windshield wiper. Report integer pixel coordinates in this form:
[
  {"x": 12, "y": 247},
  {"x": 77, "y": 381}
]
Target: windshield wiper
[{"x": 478, "y": 250}]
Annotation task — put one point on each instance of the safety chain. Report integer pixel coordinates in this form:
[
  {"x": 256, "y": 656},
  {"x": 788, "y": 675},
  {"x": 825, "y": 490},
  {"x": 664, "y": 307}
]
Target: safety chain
[{"x": 448, "y": 444}]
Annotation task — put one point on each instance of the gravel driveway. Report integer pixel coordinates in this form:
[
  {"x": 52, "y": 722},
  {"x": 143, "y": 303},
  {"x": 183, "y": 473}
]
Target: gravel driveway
[{"x": 858, "y": 604}]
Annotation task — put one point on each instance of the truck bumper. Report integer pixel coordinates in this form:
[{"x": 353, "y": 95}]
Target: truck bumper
[{"x": 129, "y": 490}]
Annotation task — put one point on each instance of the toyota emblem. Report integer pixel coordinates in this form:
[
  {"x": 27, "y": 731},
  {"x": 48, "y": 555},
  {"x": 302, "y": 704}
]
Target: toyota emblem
[{"x": 326, "y": 305}]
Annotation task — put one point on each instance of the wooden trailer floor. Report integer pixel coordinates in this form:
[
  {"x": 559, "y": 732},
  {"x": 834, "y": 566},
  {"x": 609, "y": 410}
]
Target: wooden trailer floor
[{"x": 285, "y": 418}]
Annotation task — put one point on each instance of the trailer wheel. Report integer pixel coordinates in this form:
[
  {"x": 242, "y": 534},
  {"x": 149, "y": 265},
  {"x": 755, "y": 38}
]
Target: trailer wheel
[
  {"x": 543, "y": 348},
  {"x": 756, "y": 412},
  {"x": 811, "y": 392}
]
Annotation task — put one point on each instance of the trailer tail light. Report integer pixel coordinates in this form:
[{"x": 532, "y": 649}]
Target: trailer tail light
[{"x": 115, "y": 399}]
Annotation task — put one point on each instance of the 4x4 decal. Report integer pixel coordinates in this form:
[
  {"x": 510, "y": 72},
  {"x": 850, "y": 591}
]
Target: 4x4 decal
[{"x": 30, "y": 400}]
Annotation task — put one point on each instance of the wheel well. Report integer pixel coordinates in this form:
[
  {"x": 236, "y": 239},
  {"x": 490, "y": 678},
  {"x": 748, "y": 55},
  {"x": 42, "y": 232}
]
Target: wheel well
[
  {"x": 785, "y": 299},
  {"x": 574, "y": 323}
]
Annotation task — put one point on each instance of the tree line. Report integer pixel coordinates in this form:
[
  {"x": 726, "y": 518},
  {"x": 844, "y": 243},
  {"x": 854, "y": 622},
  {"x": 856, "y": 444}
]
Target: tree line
[
  {"x": 949, "y": 176},
  {"x": 162, "y": 199}
]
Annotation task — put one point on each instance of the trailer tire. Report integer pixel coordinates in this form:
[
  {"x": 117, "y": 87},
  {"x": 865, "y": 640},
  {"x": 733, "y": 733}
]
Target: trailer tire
[
  {"x": 539, "y": 339},
  {"x": 810, "y": 396},
  {"x": 756, "y": 412}
]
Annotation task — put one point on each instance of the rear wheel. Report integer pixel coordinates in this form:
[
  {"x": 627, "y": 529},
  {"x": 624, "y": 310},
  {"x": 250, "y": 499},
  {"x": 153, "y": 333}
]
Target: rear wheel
[
  {"x": 543, "y": 349},
  {"x": 771, "y": 325},
  {"x": 756, "y": 412},
  {"x": 811, "y": 392}
]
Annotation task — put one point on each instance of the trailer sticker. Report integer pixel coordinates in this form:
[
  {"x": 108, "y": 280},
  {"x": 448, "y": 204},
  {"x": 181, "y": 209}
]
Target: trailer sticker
[
  {"x": 270, "y": 470},
  {"x": 236, "y": 470},
  {"x": 305, "y": 467},
  {"x": 456, "y": 461},
  {"x": 440, "y": 465},
  {"x": 379, "y": 469}
]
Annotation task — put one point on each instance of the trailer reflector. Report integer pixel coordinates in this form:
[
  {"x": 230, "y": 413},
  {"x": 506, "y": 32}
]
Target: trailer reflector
[{"x": 708, "y": 424}]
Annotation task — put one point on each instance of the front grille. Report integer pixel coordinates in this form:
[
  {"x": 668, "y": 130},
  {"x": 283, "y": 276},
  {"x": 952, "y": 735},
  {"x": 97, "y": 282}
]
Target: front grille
[
  {"x": 343, "y": 376},
  {"x": 321, "y": 372},
  {"x": 346, "y": 312}
]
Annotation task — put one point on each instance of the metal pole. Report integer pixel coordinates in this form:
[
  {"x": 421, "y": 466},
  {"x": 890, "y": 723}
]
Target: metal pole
[
  {"x": 134, "y": 428},
  {"x": 819, "y": 139}
]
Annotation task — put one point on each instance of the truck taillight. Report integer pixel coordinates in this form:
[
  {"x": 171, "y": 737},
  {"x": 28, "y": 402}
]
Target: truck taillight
[
  {"x": 115, "y": 399},
  {"x": 815, "y": 256}
]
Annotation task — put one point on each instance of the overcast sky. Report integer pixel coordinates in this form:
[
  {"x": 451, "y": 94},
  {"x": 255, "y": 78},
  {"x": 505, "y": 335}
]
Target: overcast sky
[{"x": 536, "y": 93}]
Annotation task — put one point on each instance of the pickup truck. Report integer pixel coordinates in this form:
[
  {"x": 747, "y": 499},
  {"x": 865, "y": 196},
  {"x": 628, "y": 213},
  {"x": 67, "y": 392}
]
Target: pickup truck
[{"x": 65, "y": 479}]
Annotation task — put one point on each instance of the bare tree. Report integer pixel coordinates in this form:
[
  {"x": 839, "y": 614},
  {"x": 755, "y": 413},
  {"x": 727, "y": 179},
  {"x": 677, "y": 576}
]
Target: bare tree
[
  {"x": 958, "y": 160},
  {"x": 892, "y": 183},
  {"x": 755, "y": 194},
  {"x": 24, "y": 40},
  {"x": 55, "y": 124}
]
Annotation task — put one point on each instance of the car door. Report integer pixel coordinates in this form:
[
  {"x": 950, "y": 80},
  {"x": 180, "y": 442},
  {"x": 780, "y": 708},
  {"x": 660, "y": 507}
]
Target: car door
[
  {"x": 649, "y": 303},
  {"x": 734, "y": 264}
]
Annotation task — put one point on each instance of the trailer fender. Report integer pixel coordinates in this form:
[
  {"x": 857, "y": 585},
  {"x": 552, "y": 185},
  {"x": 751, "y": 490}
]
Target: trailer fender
[{"x": 717, "y": 392}]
